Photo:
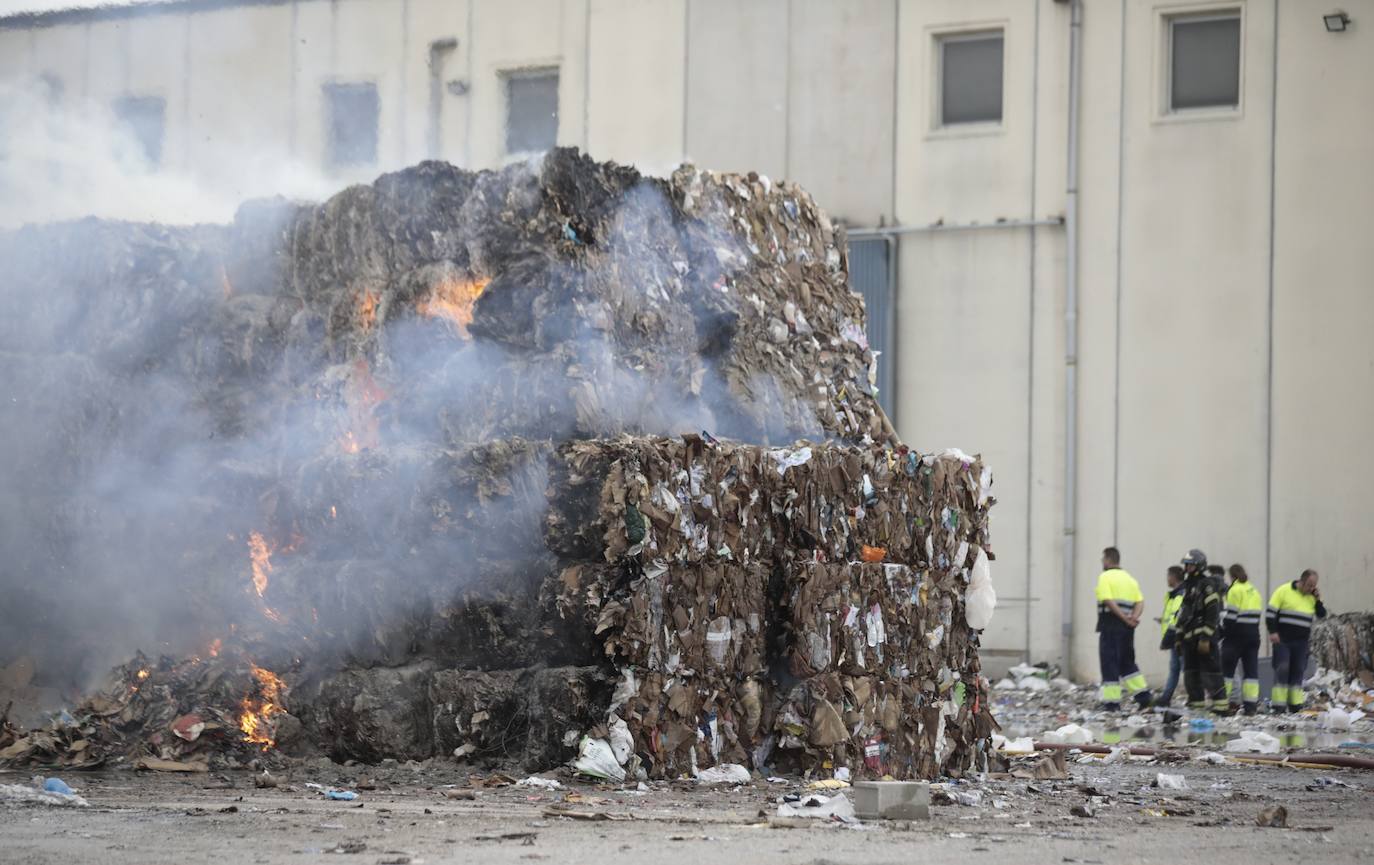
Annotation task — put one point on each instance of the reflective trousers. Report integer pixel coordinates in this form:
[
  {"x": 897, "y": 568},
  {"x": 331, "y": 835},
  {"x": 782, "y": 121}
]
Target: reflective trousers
[
  {"x": 1242, "y": 649},
  {"x": 1290, "y": 665},
  {"x": 1202, "y": 675},
  {"x": 1116, "y": 654}
]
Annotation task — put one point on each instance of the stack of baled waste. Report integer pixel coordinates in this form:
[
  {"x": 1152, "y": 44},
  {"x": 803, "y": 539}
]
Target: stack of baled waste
[
  {"x": 809, "y": 608},
  {"x": 418, "y": 450}
]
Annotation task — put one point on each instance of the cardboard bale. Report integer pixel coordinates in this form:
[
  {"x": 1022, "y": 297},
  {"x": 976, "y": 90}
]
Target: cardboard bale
[{"x": 880, "y": 672}]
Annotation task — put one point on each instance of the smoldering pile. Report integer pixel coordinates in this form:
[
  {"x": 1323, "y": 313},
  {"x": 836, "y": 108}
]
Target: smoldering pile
[{"x": 406, "y": 451}]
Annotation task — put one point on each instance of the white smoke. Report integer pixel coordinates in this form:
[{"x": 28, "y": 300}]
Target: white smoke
[{"x": 66, "y": 159}]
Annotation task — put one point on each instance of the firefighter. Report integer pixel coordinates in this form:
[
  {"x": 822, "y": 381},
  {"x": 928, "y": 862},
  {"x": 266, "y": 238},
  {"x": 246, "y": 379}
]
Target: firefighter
[
  {"x": 1241, "y": 640},
  {"x": 1292, "y": 609},
  {"x": 1199, "y": 626},
  {"x": 1119, "y": 607},
  {"x": 1168, "y": 631}
]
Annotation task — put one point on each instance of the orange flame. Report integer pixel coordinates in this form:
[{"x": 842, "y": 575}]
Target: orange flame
[
  {"x": 452, "y": 300},
  {"x": 367, "y": 309},
  {"x": 256, "y": 715},
  {"x": 362, "y": 396},
  {"x": 143, "y": 674},
  {"x": 225, "y": 285},
  {"x": 261, "y": 554}
]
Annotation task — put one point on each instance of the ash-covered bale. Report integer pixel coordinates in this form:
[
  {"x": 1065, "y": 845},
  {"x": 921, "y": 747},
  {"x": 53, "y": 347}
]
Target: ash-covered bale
[
  {"x": 531, "y": 717},
  {"x": 372, "y": 714}
]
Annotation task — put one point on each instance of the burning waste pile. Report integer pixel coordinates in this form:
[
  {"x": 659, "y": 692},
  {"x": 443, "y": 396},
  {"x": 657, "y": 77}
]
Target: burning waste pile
[{"x": 554, "y": 463}]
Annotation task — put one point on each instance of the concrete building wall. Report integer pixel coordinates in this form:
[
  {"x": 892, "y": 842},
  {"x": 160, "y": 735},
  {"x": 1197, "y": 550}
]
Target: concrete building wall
[
  {"x": 1322, "y": 402},
  {"x": 1224, "y": 381}
]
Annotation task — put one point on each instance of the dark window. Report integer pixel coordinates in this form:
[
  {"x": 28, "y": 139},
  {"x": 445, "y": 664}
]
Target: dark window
[
  {"x": 971, "y": 78},
  {"x": 531, "y": 111},
  {"x": 1204, "y": 62},
  {"x": 351, "y": 112},
  {"x": 143, "y": 118}
]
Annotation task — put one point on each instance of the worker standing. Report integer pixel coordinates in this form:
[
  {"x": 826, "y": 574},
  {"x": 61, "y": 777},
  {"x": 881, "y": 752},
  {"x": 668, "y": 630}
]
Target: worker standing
[
  {"x": 1292, "y": 609},
  {"x": 1199, "y": 624},
  {"x": 1168, "y": 631},
  {"x": 1241, "y": 640},
  {"x": 1119, "y": 607}
]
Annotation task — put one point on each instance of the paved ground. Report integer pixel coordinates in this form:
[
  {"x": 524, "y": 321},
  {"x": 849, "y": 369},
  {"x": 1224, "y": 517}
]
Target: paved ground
[{"x": 150, "y": 819}]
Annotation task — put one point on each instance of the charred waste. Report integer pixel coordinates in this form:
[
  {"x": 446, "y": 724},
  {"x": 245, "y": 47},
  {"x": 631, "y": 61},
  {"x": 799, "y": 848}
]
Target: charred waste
[{"x": 477, "y": 465}]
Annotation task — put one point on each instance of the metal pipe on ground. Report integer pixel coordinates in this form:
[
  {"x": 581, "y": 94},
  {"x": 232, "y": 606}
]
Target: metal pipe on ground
[{"x": 1344, "y": 761}]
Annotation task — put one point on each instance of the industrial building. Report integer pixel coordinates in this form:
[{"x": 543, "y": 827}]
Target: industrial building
[{"x": 1118, "y": 247}]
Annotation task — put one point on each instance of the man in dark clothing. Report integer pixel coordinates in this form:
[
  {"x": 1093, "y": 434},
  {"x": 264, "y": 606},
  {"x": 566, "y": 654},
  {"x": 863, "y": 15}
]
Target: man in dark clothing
[{"x": 1199, "y": 627}]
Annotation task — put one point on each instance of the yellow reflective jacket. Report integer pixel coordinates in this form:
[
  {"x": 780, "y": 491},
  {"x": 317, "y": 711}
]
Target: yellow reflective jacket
[
  {"x": 1173, "y": 600},
  {"x": 1117, "y": 585},
  {"x": 1291, "y": 613},
  {"x": 1244, "y": 604}
]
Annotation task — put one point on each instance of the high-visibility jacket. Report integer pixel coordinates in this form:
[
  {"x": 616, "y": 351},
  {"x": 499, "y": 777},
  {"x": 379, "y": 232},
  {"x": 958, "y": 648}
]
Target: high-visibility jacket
[
  {"x": 1173, "y": 601},
  {"x": 1116, "y": 585},
  {"x": 1291, "y": 613},
  {"x": 1244, "y": 604}
]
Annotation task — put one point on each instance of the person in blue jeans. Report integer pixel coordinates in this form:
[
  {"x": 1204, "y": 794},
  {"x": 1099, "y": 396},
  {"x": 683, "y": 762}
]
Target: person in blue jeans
[{"x": 1168, "y": 626}]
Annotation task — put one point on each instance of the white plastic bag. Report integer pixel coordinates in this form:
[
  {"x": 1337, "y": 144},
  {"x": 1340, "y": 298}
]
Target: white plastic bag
[
  {"x": 821, "y": 807},
  {"x": 981, "y": 599},
  {"x": 621, "y": 742},
  {"x": 1337, "y": 718},
  {"x": 1069, "y": 734},
  {"x": 724, "y": 773},
  {"x": 596, "y": 759},
  {"x": 1253, "y": 741}
]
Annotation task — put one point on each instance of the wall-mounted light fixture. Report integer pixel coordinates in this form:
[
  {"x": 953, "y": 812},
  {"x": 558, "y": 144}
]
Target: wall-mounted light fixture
[{"x": 1336, "y": 22}]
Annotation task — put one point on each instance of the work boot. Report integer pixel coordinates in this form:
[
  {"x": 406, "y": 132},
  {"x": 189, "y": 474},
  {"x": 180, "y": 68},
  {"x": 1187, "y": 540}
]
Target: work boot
[
  {"x": 1226, "y": 711},
  {"x": 1251, "y": 709},
  {"x": 1172, "y": 716},
  {"x": 1109, "y": 707}
]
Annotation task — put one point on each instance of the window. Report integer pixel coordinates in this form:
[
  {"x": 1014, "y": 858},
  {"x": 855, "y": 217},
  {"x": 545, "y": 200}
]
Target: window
[
  {"x": 143, "y": 119},
  {"x": 971, "y": 78},
  {"x": 1204, "y": 61},
  {"x": 531, "y": 111},
  {"x": 351, "y": 112}
]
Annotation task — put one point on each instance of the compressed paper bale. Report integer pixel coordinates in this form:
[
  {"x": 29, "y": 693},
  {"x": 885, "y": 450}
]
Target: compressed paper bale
[
  {"x": 522, "y": 714},
  {"x": 1345, "y": 642}
]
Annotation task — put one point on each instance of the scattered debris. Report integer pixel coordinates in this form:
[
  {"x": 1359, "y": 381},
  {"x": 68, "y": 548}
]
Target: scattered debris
[
  {"x": 1274, "y": 817},
  {"x": 818, "y": 807},
  {"x": 1170, "y": 782},
  {"x": 339, "y": 795},
  {"x": 37, "y": 795}
]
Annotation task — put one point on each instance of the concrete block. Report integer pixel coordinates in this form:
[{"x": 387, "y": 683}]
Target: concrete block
[{"x": 892, "y": 800}]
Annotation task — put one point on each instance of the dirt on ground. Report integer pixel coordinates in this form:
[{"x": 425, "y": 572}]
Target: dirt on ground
[{"x": 1104, "y": 813}]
